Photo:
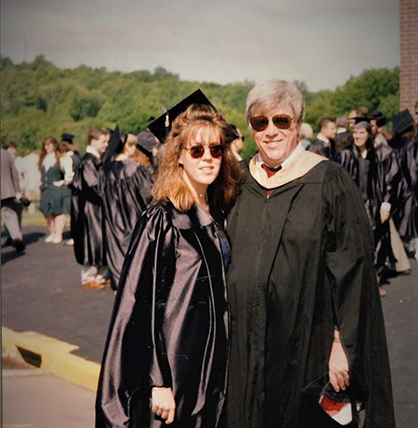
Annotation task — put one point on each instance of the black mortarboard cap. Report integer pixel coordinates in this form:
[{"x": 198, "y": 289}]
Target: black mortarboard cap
[
  {"x": 402, "y": 121},
  {"x": 161, "y": 126},
  {"x": 115, "y": 145},
  {"x": 361, "y": 119},
  {"x": 67, "y": 137},
  {"x": 378, "y": 116},
  {"x": 146, "y": 141}
]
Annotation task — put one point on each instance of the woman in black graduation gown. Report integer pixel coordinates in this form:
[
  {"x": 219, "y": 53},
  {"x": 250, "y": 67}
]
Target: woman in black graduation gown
[
  {"x": 125, "y": 186},
  {"x": 377, "y": 175},
  {"x": 166, "y": 355}
]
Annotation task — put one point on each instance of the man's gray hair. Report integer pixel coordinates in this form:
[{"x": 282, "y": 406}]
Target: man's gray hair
[{"x": 272, "y": 94}]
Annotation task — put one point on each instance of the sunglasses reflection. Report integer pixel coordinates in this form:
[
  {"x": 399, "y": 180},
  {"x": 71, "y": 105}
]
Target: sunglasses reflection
[{"x": 280, "y": 121}]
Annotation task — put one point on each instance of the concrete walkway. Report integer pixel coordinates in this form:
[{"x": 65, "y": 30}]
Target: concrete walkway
[{"x": 35, "y": 399}]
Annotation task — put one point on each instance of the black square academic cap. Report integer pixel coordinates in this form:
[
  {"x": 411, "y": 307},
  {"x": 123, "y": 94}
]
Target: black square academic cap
[
  {"x": 378, "y": 116},
  {"x": 161, "y": 126},
  {"x": 146, "y": 141},
  {"x": 115, "y": 145},
  {"x": 67, "y": 137},
  {"x": 402, "y": 121}
]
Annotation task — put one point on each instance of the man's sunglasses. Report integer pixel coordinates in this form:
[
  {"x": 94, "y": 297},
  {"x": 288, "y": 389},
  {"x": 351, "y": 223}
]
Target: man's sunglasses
[
  {"x": 198, "y": 150},
  {"x": 280, "y": 121}
]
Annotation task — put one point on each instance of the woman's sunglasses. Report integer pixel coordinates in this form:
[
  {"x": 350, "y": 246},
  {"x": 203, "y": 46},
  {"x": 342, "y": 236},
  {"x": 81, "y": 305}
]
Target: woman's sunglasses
[
  {"x": 198, "y": 150},
  {"x": 280, "y": 121}
]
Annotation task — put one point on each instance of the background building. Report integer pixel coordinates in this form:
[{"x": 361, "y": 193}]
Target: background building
[{"x": 408, "y": 12}]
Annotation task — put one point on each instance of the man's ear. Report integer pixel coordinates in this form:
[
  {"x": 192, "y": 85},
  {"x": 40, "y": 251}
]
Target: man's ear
[{"x": 298, "y": 126}]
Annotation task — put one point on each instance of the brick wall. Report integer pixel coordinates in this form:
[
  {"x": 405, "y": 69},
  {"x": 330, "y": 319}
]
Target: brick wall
[{"x": 408, "y": 11}]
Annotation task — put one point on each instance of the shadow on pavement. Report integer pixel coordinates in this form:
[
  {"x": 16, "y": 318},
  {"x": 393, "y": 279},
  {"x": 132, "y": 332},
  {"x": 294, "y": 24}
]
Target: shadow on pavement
[
  {"x": 31, "y": 238},
  {"x": 10, "y": 255}
]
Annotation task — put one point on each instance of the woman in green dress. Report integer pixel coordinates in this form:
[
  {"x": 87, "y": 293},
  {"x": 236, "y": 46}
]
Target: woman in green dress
[{"x": 53, "y": 177}]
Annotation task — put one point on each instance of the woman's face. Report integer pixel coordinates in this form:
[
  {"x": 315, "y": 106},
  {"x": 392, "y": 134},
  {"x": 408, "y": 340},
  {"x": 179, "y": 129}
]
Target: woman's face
[
  {"x": 201, "y": 171},
  {"x": 360, "y": 137},
  {"x": 49, "y": 147},
  {"x": 274, "y": 144},
  {"x": 130, "y": 150}
]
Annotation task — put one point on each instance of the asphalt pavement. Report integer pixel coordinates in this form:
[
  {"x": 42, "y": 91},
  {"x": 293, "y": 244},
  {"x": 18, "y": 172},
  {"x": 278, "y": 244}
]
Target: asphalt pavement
[{"x": 42, "y": 292}]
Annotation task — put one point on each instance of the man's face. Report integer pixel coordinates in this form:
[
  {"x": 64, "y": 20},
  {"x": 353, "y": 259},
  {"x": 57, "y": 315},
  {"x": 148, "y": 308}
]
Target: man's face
[
  {"x": 274, "y": 144},
  {"x": 238, "y": 144},
  {"x": 100, "y": 144},
  {"x": 329, "y": 130},
  {"x": 12, "y": 151},
  {"x": 374, "y": 126}
]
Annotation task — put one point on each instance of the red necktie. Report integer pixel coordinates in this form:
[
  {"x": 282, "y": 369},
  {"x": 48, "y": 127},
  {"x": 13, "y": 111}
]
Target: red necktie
[{"x": 270, "y": 173}]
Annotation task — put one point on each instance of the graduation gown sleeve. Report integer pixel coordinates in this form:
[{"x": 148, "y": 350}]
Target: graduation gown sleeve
[
  {"x": 135, "y": 359},
  {"x": 89, "y": 175}
]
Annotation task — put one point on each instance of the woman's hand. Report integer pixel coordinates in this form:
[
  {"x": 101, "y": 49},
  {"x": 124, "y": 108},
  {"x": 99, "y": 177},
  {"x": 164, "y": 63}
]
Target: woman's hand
[
  {"x": 163, "y": 404},
  {"x": 338, "y": 365}
]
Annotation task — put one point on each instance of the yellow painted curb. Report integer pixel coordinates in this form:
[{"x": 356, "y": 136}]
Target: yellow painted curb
[{"x": 55, "y": 356}]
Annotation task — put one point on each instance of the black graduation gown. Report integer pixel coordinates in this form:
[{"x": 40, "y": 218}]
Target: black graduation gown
[
  {"x": 377, "y": 178},
  {"x": 125, "y": 188},
  {"x": 409, "y": 165},
  {"x": 169, "y": 325},
  {"x": 302, "y": 263},
  {"x": 86, "y": 213}
]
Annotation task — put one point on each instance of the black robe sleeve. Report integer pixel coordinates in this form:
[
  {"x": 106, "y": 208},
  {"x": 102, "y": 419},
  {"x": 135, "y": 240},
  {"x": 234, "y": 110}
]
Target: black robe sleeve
[
  {"x": 89, "y": 176},
  {"x": 135, "y": 358},
  {"x": 349, "y": 255}
]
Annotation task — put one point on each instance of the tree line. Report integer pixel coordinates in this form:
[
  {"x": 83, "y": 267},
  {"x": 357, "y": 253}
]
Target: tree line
[{"x": 39, "y": 99}]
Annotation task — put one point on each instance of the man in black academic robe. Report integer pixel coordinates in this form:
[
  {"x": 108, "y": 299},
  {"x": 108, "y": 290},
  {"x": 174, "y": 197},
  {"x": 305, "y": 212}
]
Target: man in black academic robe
[
  {"x": 86, "y": 221},
  {"x": 302, "y": 288},
  {"x": 324, "y": 143}
]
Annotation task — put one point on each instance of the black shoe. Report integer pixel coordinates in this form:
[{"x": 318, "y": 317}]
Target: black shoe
[
  {"x": 8, "y": 242},
  {"x": 19, "y": 245}
]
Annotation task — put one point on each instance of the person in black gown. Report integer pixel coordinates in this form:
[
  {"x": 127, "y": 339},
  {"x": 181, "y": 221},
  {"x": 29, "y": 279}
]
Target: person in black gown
[
  {"x": 377, "y": 174},
  {"x": 125, "y": 186},
  {"x": 304, "y": 301},
  {"x": 86, "y": 214},
  {"x": 405, "y": 145},
  {"x": 168, "y": 338}
]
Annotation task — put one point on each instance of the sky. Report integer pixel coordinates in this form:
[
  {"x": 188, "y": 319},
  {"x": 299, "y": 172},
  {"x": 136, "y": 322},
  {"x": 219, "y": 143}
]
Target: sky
[{"x": 320, "y": 42}]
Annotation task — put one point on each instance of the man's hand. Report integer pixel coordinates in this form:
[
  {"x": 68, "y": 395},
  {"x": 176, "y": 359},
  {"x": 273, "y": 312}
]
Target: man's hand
[
  {"x": 163, "y": 404},
  {"x": 338, "y": 365}
]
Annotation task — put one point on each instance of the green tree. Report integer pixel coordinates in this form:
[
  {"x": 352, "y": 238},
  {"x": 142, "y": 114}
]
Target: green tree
[{"x": 368, "y": 89}]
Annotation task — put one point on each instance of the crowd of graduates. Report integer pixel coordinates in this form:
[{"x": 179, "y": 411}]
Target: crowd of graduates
[
  {"x": 106, "y": 191},
  {"x": 384, "y": 166}
]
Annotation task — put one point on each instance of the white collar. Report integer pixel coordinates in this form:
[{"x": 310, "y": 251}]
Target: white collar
[
  {"x": 290, "y": 160},
  {"x": 296, "y": 165},
  {"x": 49, "y": 161},
  {"x": 92, "y": 151},
  {"x": 322, "y": 138}
]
